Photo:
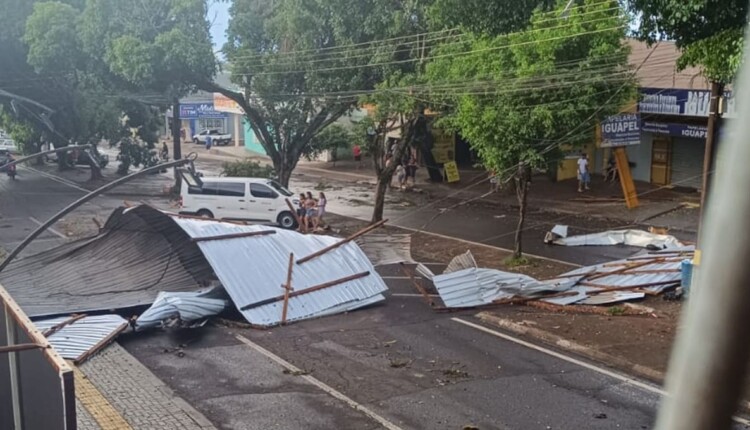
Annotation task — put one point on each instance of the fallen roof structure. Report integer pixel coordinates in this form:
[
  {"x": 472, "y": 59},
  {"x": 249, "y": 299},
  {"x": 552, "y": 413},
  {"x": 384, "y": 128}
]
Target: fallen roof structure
[
  {"x": 137, "y": 254},
  {"x": 79, "y": 337},
  {"x": 384, "y": 249},
  {"x": 648, "y": 273},
  {"x": 254, "y": 269},
  {"x": 142, "y": 252}
]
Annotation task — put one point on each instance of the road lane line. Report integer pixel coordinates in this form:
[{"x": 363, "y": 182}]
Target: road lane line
[
  {"x": 51, "y": 230},
  {"x": 611, "y": 374},
  {"x": 329, "y": 390}
]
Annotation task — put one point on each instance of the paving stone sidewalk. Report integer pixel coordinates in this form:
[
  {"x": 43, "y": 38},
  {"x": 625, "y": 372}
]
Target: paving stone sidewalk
[{"x": 139, "y": 397}]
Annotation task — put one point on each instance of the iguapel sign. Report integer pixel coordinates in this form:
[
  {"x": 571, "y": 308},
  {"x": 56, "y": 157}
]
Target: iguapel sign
[
  {"x": 621, "y": 130},
  {"x": 669, "y": 101},
  {"x": 199, "y": 110}
]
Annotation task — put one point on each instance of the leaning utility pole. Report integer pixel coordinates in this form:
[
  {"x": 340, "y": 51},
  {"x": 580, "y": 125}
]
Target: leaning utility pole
[
  {"x": 717, "y": 91},
  {"x": 176, "y": 129}
]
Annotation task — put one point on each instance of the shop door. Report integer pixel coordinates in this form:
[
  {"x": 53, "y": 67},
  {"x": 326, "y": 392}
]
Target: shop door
[
  {"x": 661, "y": 161},
  {"x": 687, "y": 162}
]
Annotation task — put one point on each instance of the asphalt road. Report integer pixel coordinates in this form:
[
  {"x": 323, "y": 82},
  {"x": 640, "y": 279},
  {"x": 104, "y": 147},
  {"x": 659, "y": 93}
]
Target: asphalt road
[{"x": 414, "y": 368}]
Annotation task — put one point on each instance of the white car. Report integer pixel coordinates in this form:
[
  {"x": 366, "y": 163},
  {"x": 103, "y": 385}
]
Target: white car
[
  {"x": 8, "y": 144},
  {"x": 247, "y": 199},
  {"x": 217, "y": 137}
]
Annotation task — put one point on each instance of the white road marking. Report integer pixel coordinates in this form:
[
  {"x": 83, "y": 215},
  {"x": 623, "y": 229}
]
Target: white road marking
[
  {"x": 51, "y": 230},
  {"x": 58, "y": 179},
  {"x": 329, "y": 390},
  {"x": 611, "y": 374}
]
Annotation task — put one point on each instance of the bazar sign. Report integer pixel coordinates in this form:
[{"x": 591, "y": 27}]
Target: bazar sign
[
  {"x": 223, "y": 103},
  {"x": 677, "y": 130},
  {"x": 669, "y": 101},
  {"x": 199, "y": 110},
  {"x": 621, "y": 130}
]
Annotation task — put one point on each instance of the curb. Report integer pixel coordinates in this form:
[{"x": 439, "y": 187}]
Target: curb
[{"x": 567, "y": 345}]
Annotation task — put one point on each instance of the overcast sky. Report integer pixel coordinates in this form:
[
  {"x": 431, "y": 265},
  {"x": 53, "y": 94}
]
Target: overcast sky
[{"x": 218, "y": 15}]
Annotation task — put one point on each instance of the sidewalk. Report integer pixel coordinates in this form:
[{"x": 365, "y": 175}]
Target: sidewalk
[
  {"x": 660, "y": 207},
  {"x": 115, "y": 391}
]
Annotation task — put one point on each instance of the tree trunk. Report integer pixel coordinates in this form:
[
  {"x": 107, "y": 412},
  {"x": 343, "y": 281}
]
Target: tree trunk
[
  {"x": 177, "y": 148},
  {"x": 522, "y": 192},
  {"x": 382, "y": 188},
  {"x": 284, "y": 171}
]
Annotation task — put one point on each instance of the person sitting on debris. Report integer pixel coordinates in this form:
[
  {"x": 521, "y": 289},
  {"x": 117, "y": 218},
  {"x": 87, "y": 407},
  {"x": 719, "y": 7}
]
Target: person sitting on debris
[
  {"x": 311, "y": 212},
  {"x": 301, "y": 213}
]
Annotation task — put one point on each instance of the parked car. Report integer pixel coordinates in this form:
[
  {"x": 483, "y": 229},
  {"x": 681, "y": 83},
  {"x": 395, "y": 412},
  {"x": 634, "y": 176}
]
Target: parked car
[
  {"x": 217, "y": 137},
  {"x": 247, "y": 199},
  {"x": 8, "y": 144}
]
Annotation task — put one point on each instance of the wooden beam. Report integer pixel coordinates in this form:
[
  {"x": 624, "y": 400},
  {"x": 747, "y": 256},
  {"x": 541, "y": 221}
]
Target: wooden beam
[
  {"x": 234, "y": 236},
  {"x": 305, "y": 291},
  {"x": 21, "y": 347},
  {"x": 417, "y": 285},
  {"x": 342, "y": 242},
  {"x": 294, "y": 212},
  {"x": 287, "y": 288},
  {"x": 57, "y": 327},
  {"x": 626, "y": 178}
]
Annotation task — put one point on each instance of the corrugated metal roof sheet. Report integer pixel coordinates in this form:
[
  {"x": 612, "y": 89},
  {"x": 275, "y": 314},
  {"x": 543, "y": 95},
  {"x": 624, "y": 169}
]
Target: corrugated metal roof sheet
[
  {"x": 461, "y": 262},
  {"x": 187, "y": 306},
  {"x": 639, "y": 238},
  {"x": 253, "y": 269},
  {"x": 84, "y": 336},
  {"x": 477, "y": 287},
  {"x": 383, "y": 249},
  {"x": 139, "y": 253}
]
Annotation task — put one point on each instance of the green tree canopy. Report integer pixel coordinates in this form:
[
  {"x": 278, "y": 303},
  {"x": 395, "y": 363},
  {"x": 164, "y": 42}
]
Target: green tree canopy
[
  {"x": 709, "y": 32},
  {"x": 518, "y": 98}
]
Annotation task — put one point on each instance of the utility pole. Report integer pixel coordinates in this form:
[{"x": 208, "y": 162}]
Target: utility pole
[
  {"x": 176, "y": 122},
  {"x": 714, "y": 116}
]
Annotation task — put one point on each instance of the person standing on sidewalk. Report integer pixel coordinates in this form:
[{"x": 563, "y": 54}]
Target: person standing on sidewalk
[
  {"x": 584, "y": 177},
  {"x": 301, "y": 212},
  {"x": 209, "y": 142},
  {"x": 322, "y": 202},
  {"x": 357, "y": 152}
]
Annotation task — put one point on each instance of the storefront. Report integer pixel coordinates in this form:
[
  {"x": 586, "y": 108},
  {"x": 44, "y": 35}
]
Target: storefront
[
  {"x": 672, "y": 125},
  {"x": 196, "y": 117}
]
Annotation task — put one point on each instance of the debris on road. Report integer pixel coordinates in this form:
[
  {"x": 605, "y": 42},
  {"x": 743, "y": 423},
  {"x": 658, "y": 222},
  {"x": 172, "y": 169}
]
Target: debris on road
[
  {"x": 182, "y": 309},
  {"x": 647, "y": 273},
  {"x": 144, "y": 256},
  {"x": 639, "y": 238},
  {"x": 79, "y": 337},
  {"x": 384, "y": 249}
]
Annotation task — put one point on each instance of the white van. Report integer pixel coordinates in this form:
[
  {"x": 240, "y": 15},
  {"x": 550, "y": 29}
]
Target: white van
[{"x": 247, "y": 199}]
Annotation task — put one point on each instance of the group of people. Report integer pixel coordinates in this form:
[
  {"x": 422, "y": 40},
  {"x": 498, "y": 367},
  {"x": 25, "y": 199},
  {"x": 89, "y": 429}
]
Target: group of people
[
  {"x": 405, "y": 170},
  {"x": 311, "y": 211}
]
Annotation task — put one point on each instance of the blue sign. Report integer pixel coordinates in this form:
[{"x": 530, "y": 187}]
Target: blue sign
[
  {"x": 677, "y": 130},
  {"x": 621, "y": 130},
  {"x": 669, "y": 101},
  {"x": 200, "y": 110}
]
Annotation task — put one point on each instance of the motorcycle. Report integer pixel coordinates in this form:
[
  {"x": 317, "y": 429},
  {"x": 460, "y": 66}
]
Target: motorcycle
[
  {"x": 12, "y": 172},
  {"x": 9, "y": 170}
]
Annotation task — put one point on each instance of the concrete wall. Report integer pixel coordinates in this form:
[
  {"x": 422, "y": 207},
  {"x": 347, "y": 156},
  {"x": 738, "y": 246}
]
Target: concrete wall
[{"x": 45, "y": 382}]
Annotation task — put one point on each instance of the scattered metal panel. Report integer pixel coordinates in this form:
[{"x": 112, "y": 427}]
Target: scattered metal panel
[
  {"x": 383, "y": 249},
  {"x": 253, "y": 269},
  {"x": 461, "y": 262},
  {"x": 185, "y": 307},
  {"x": 138, "y": 253},
  {"x": 477, "y": 287},
  {"x": 84, "y": 337},
  {"x": 638, "y": 238},
  {"x": 569, "y": 300},
  {"x": 611, "y": 297},
  {"x": 425, "y": 271}
]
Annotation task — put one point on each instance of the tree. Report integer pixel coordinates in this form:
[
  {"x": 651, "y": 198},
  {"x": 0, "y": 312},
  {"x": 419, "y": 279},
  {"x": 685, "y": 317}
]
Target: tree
[
  {"x": 302, "y": 64},
  {"x": 709, "y": 33},
  {"x": 120, "y": 59},
  {"x": 332, "y": 138},
  {"x": 488, "y": 17},
  {"x": 518, "y": 98}
]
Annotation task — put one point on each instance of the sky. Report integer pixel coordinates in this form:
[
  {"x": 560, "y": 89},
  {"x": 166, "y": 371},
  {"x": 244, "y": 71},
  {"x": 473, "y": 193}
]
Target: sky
[{"x": 218, "y": 15}]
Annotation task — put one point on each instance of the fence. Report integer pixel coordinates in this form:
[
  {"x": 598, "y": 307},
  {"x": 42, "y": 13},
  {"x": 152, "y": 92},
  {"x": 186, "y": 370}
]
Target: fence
[{"x": 36, "y": 385}]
